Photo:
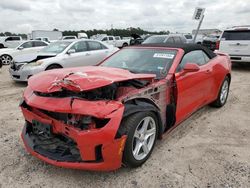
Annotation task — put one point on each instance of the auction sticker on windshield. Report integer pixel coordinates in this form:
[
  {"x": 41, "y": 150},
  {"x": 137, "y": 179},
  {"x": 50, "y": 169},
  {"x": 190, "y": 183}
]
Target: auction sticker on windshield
[{"x": 161, "y": 55}]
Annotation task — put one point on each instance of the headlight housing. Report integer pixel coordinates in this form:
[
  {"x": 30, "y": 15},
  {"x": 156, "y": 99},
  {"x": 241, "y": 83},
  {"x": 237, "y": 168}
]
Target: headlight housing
[{"x": 33, "y": 64}]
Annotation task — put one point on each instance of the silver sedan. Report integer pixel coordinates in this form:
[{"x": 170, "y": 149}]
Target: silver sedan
[{"x": 61, "y": 54}]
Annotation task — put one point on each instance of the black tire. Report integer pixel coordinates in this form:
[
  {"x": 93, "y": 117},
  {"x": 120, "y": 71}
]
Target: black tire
[
  {"x": 125, "y": 44},
  {"x": 53, "y": 66},
  {"x": 218, "y": 102},
  {"x": 129, "y": 126}
]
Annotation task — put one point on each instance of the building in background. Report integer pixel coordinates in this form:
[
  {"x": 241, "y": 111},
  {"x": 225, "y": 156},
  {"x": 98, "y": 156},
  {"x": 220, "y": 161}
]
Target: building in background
[{"x": 208, "y": 32}]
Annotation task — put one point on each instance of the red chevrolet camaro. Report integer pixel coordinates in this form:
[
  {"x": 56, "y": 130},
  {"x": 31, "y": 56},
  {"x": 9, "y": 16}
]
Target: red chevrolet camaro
[{"x": 102, "y": 117}]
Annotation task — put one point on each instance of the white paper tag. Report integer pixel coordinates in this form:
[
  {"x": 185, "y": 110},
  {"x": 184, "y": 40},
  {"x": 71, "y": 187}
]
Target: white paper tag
[{"x": 166, "y": 56}]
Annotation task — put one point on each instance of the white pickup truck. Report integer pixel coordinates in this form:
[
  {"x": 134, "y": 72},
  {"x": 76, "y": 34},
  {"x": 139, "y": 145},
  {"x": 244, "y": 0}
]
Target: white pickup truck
[
  {"x": 115, "y": 41},
  {"x": 10, "y": 41}
]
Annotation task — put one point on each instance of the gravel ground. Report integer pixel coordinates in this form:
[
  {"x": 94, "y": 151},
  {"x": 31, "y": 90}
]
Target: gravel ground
[{"x": 210, "y": 149}]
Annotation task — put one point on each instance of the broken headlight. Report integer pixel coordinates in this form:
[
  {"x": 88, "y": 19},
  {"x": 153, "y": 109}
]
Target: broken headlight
[{"x": 86, "y": 122}]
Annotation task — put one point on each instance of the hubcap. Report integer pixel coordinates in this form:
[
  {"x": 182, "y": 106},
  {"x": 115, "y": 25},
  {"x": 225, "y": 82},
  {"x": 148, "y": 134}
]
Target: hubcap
[
  {"x": 224, "y": 92},
  {"x": 6, "y": 59},
  {"x": 144, "y": 138}
]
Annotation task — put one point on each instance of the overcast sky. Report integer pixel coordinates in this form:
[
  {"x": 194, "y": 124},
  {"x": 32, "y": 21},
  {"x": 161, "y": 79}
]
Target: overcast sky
[{"x": 23, "y": 16}]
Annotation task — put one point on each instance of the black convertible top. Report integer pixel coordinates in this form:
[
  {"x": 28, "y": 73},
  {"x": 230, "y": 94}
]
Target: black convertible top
[{"x": 186, "y": 47}]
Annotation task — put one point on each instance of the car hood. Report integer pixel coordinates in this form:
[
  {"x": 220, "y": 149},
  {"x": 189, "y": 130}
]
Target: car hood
[{"x": 81, "y": 78}]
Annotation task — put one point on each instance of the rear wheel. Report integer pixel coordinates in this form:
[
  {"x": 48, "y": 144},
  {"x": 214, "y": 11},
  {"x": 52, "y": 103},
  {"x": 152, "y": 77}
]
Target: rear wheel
[
  {"x": 6, "y": 59},
  {"x": 124, "y": 45},
  {"x": 53, "y": 67},
  {"x": 223, "y": 94},
  {"x": 141, "y": 129}
]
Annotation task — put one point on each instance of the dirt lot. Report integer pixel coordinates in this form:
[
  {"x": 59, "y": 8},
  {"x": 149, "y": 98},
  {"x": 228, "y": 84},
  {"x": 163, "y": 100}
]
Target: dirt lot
[{"x": 210, "y": 149}]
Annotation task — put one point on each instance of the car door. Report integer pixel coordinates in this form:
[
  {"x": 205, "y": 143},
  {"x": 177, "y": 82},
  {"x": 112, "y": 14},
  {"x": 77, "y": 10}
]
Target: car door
[
  {"x": 97, "y": 52},
  {"x": 78, "y": 56},
  {"x": 192, "y": 87}
]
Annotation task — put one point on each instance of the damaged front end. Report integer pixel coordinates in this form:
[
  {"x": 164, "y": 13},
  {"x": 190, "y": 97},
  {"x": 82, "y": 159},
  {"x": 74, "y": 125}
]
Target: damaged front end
[{"x": 72, "y": 120}]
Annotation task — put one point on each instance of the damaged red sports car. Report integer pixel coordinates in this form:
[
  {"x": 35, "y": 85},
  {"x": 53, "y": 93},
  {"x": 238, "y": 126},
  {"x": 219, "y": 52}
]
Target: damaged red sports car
[{"x": 102, "y": 117}]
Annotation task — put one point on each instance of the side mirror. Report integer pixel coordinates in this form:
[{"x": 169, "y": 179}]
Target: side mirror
[
  {"x": 71, "y": 51},
  {"x": 190, "y": 67},
  {"x": 20, "y": 48}
]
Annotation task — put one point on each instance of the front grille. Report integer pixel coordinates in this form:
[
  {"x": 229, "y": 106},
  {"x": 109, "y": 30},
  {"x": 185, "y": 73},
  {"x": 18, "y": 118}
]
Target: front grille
[{"x": 55, "y": 147}]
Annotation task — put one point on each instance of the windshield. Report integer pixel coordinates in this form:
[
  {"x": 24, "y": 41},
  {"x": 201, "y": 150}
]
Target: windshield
[
  {"x": 56, "y": 47},
  {"x": 141, "y": 60},
  {"x": 155, "y": 39}
]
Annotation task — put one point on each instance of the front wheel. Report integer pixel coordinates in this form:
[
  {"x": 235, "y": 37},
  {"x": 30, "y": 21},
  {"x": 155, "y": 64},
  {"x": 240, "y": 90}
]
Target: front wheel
[
  {"x": 6, "y": 59},
  {"x": 142, "y": 129},
  {"x": 223, "y": 94}
]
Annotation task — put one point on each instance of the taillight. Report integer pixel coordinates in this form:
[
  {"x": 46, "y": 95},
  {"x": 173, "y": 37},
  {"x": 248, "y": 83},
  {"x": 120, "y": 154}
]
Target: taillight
[{"x": 217, "y": 45}]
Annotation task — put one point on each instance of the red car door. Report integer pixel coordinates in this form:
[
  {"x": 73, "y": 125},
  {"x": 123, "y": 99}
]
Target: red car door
[{"x": 192, "y": 87}]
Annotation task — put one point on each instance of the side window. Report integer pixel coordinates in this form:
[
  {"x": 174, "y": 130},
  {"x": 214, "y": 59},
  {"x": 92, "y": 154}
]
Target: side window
[
  {"x": 197, "y": 57},
  {"x": 111, "y": 38},
  {"x": 170, "y": 40},
  {"x": 38, "y": 44},
  {"x": 80, "y": 47},
  {"x": 27, "y": 45},
  {"x": 105, "y": 39},
  {"x": 95, "y": 45}
]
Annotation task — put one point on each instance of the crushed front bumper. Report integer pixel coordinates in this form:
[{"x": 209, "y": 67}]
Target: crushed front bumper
[{"x": 69, "y": 147}]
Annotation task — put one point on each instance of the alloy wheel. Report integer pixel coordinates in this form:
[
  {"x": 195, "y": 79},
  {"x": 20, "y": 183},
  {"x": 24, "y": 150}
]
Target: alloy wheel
[{"x": 144, "y": 138}]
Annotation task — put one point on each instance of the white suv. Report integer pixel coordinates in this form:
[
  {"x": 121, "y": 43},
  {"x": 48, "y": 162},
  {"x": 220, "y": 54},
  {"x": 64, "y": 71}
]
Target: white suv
[{"x": 236, "y": 42}]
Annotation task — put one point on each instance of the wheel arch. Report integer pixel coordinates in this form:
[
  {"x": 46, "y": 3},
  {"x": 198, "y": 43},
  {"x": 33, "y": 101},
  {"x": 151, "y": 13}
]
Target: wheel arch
[
  {"x": 52, "y": 64},
  {"x": 142, "y": 105}
]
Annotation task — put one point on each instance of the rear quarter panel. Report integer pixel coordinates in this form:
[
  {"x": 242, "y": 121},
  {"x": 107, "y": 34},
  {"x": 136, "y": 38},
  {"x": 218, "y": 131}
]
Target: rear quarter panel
[{"x": 221, "y": 67}]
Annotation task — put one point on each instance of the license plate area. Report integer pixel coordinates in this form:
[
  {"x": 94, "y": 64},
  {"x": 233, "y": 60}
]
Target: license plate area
[{"x": 41, "y": 129}]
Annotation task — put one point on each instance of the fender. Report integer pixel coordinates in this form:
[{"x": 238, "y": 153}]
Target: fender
[{"x": 143, "y": 105}]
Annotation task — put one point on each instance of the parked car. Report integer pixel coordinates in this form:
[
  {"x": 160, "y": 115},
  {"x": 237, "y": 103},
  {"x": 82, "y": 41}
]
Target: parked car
[
  {"x": 100, "y": 117},
  {"x": 210, "y": 41},
  {"x": 61, "y": 54},
  {"x": 171, "y": 39},
  {"x": 1, "y": 64},
  {"x": 71, "y": 37},
  {"x": 10, "y": 41},
  {"x": 115, "y": 41},
  {"x": 236, "y": 42},
  {"x": 189, "y": 38},
  {"x": 136, "y": 39},
  {"x": 7, "y": 54}
]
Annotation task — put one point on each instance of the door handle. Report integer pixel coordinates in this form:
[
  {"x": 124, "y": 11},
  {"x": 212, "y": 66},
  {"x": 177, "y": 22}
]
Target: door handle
[
  {"x": 87, "y": 54},
  {"x": 208, "y": 71}
]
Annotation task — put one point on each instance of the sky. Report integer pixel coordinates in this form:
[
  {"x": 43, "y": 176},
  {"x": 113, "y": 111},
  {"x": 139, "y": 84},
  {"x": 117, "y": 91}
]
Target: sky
[{"x": 23, "y": 16}]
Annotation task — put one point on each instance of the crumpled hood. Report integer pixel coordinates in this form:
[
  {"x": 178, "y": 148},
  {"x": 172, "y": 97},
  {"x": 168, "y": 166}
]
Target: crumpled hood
[{"x": 81, "y": 78}]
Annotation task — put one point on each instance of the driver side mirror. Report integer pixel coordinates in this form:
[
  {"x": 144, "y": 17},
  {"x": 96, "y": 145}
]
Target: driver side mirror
[
  {"x": 190, "y": 67},
  {"x": 71, "y": 51},
  {"x": 20, "y": 48}
]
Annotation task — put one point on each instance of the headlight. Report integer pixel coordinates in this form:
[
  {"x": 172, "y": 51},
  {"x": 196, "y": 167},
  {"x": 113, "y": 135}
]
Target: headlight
[{"x": 33, "y": 64}]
